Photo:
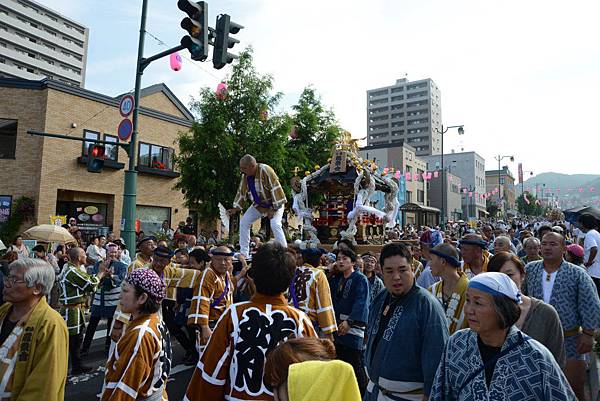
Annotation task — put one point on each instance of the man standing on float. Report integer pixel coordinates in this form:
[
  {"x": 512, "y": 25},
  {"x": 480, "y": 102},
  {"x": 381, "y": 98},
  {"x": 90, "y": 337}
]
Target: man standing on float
[{"x": 261, "y": 186}]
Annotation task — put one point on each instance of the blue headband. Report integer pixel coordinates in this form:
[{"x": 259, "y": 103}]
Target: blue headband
[{"x": 448, "y": 258}]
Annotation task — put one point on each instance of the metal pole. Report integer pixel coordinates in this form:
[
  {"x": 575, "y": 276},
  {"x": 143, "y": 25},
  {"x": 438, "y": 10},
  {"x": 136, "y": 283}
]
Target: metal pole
[
  {"x": 443, "y": 217},
  {"x": 499, "y": 193},
  {"x": 130, "y": 187}
]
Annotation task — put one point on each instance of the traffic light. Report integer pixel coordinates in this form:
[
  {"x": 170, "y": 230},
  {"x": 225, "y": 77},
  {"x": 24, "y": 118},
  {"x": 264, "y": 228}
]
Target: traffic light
[
  {"x": 223, "y": 42},
  {"x": 196, "y": 24},
  {"x": 95, "y": 158}
]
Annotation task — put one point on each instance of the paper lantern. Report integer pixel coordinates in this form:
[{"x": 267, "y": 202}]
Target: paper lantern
[
  {"x": 435, "y": 174},
  {"x": 464, "y": 190},
  {"x": 175, "y": 61},
  {"x": 408, "y": 176},
  {"x": 470, "y": 194},
  {"x": 398, "y": 174},
  {"x": 264, "y": 114},
  {"x": 221, "y": 91},
  {"x": 293, "y": 133}
]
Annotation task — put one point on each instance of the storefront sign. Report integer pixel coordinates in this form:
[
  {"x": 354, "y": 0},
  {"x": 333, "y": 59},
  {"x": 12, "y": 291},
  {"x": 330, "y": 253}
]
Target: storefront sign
[{"x": 5, "y": 207}]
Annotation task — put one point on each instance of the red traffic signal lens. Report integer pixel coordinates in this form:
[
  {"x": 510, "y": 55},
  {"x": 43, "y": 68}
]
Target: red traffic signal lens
[{"x": 97, "y": 151}]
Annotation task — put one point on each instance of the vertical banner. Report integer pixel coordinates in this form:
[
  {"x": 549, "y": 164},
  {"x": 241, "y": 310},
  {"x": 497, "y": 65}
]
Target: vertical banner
[{"x": 520, "y": 173}]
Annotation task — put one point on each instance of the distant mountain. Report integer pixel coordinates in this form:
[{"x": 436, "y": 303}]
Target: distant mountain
[{"x": 563, "y": 181}]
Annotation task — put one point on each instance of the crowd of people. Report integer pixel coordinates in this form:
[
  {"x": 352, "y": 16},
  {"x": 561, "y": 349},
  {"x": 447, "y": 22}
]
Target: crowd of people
[{"x": 495, "y": 311}]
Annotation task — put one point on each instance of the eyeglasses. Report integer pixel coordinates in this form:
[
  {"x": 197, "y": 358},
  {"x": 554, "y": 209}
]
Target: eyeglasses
[{"x": 12, "y": 281}]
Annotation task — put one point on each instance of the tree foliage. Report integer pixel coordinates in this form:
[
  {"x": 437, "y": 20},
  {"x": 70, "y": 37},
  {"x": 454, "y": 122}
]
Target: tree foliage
[
  {"x": 529, "y": 209},
  {"x": 245, "y": 122}
]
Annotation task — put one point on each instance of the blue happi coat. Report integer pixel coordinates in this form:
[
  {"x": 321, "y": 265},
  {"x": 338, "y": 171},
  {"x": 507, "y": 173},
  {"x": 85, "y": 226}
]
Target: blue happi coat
[
  {"x": 350, "y": 298},
  {"x": 574, "y": 294},
  {"x": 405, "y": 359},
  {"x": 526, "y": 373}
]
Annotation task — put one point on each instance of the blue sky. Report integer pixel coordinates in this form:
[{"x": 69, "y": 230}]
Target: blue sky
[{"x": 523, "y": 76}]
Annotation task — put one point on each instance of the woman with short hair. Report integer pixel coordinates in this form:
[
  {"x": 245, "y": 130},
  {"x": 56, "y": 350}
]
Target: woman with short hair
[
  {"x": 139, "y": 365},
  {"x": 538, "y": 319},
  {"x": 493, "y": 359},
  {"x": 305, "y": 369}
]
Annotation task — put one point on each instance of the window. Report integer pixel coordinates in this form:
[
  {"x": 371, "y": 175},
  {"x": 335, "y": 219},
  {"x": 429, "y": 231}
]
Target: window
[
  {"x": 155, "y": 156},
  {"x": 408, "y": 196},
  {"x": 420, "y": 196},
  {"x": 8, "y": 138},
  {"x": 112, "y": 151},
  {"x": 86, "y": 144}
]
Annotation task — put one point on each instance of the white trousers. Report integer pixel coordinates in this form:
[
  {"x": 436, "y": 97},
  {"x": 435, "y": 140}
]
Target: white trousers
[{"x": 251, "y": 215}]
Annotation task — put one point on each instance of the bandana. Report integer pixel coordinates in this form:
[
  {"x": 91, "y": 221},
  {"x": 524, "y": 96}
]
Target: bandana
[
  {"x": 480, "y": 243},
  {"x": 431, "y": 238},
  {"x": 149, "y": 282},
  {"x": 163, "y": 252},
  {"x": 332, "y": 256},
  {"x": 449, "y": 258},
  {"x": 495, "y": 283},
  {"x": 219, "y": 253},
  {"x": 111, "y": 246}
]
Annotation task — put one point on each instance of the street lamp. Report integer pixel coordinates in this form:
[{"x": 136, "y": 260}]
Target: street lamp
[
  {"x": 461, "y": 131},
  {"x": 500, "y": 158}
]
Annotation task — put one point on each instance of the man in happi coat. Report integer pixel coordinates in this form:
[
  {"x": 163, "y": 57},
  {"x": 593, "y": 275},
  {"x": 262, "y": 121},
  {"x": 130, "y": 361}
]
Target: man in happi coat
[
  {"x": 146, "y": 247},
  {"x": 474, "y": 253},
  {"x": 407, "y": 332},
  {"x": 232, "y": 365},
  {"x": 309, "y": 292},
  {"x": 33, "y": 336},
  {"x": 213, "y": 295},
  {"x": 261, "y": 186},
  {"x": 75, "y": 284},
  {"x": 571, "y": 291}
]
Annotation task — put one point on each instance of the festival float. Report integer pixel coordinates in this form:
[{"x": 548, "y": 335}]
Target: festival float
[{"x": 343, "y": 188}]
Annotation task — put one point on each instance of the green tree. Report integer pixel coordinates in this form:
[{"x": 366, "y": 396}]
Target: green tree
[
  {"x": 227, "y": 128},
  {"x": 531, "y": 208},
  {"x": 245, "y": 122},
  {"x": 316, "y": 131},
  {"x": 492, "y": 208}
]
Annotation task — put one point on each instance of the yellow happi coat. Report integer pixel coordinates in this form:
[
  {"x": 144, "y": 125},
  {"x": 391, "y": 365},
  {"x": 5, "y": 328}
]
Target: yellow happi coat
[
  {"x": 140, "y": 364},
  {"x": 33, "y": 358},
  {"x": 455, "y": 314}
]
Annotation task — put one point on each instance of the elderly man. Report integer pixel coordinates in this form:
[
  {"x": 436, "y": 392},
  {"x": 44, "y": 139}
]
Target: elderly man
[
  {"x": 75, "y": 286},
  {"x": 407, "y": 332},
  {"x": 570, "y": 290},
  {"x": 146, "y": 247},
  {"x": 33, "y": 337},
  {"x": 475, "y": 256},
  {"x": 502, "y": 244},
  {"x": 260, "y": 185},
  {"x": 213, "y": 295}
]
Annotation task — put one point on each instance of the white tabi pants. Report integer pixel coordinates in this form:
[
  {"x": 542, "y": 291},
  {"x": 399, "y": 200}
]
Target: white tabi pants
[{"x": 251, "y": 215}]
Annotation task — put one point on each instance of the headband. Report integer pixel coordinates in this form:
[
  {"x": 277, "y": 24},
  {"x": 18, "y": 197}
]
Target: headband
[
  {"x": 163, "y": 252},
  {"x": 448, "y": 258},
  {"x": 219, "y": 253},
  {"x": 479, "y": 243}
]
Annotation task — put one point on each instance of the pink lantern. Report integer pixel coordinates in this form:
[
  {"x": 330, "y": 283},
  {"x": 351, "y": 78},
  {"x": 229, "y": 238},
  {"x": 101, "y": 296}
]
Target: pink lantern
[
  {"x": 424, "y": 176},
  {"x": 293, "y": 133},
  {"x": 429, "y": 176},
  {"x": 175, "y": 61},
  {"x": 221, "y": 91},
  {"x": 464, "y": 190},
  {"x": 470, "y": 194},
  {"x": 264, "y": 115},
  {"x": 398, "y": 174},
  {"x": 408, "y": 176},
  {"x": 386, "y": 170},
  {"x": 580, "y": 190},
  {"x": 435, "y": 174},
  {"x": 591, "y": 189}
]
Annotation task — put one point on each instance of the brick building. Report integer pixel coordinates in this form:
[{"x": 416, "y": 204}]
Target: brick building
[{"x": 53, "y": 172}]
